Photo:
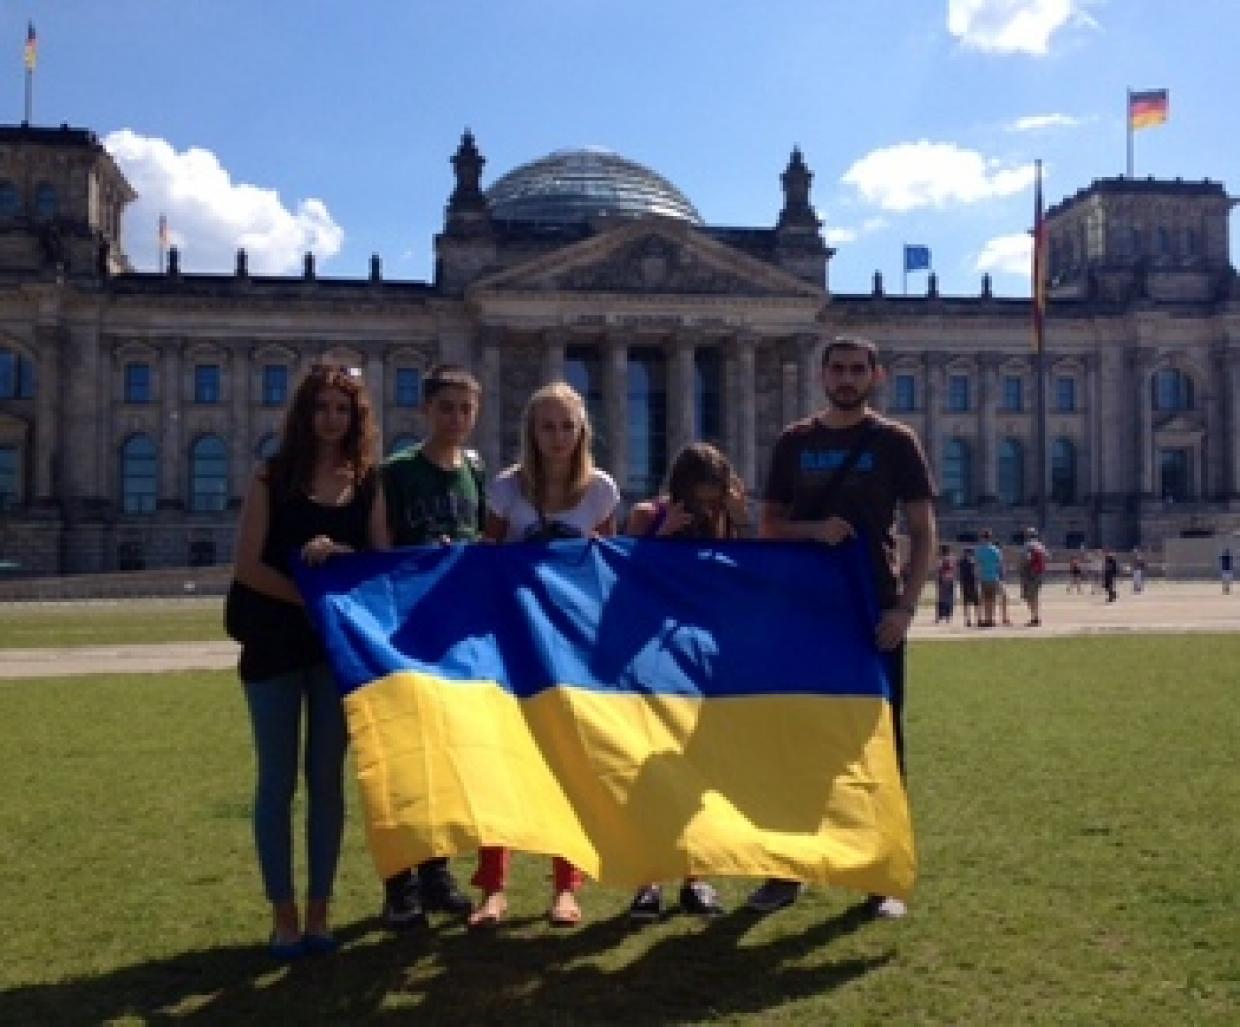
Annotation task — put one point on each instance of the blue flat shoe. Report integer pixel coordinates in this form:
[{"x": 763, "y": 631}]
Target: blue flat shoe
[
  {"x": 286, "y": 951},
  {"x": 319, "y": 944}
]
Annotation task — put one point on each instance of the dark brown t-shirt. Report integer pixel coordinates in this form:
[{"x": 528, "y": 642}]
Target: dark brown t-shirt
[{"x": 890, "y": 470}]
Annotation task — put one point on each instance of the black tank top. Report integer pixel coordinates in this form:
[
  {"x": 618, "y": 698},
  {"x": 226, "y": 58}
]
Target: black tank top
[{"x": 289, "y": 641}]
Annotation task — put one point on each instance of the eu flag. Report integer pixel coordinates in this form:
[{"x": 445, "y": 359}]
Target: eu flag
[
  {"x": 647, "y": 709},
  {"x": 916, "y": 258}
]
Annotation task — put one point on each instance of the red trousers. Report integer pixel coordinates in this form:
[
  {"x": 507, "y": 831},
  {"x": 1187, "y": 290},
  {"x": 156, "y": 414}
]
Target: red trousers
[{"x": 492, "y": 872}]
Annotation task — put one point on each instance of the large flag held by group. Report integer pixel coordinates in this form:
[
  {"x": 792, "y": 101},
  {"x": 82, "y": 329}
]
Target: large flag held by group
[{"x": 646, "y": 709}]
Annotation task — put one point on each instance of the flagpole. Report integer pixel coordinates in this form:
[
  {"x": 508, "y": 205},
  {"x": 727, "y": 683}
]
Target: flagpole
[
  {"x": 1039, "y": 328},
  {"x": 1128, "y": 123},
  {"x": 29, "y": 97}
]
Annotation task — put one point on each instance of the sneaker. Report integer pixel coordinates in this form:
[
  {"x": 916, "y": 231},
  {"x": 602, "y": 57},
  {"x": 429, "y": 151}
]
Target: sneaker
[
  {"x": 700, "y": 899},
  {"x": 885, "y": 907},
  {"x": 440, "y": 893},
  {"x": 402, "y": 902},
  {"x": 774, "y": 894},
  {"x": 647, "y": 904}
]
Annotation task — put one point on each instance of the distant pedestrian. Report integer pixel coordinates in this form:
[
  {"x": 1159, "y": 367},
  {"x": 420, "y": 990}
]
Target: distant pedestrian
[
  {"x": 1033, "y": 560},
  {"x": 989, "y": 576},
  {"x": 945, "y": 586},
  {"x": 1075, "y": 574},
  {"x": 966, "y": 571},
  {"x": 1224, "y": 569},
  {"x": 1138, "y": 570},
  {"x": 1110, "y": 569}
]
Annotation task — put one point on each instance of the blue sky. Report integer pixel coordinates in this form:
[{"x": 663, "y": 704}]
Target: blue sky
[{"x": 285, "y": 126}]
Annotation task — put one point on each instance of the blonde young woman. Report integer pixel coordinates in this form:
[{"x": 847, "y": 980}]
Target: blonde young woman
[{"x": 555, "y": 491}]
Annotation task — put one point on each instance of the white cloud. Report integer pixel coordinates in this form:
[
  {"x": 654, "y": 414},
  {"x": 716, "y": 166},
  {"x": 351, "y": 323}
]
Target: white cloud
[
  {"x": 1037, "y": 122},
  {"x": 210, "y": 216},
  {"x": 925, "y": 174},
  {"x": 1012, "y": 26},
  {"x": 835, "y": 236},
  {"x": 1007, "y": 254}
]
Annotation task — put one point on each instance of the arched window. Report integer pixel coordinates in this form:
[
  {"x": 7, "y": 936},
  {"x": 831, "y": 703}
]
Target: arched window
[
  {"x": 208, "y": 475},
  {"x": 1011, "y": 472},
  {"x": 139, "y": 471},
  {"x": 16, "y": 375},
  {"x": 10, "y": 200},
  {"x": 1063, "y": 471},
  {"x": 1175, "y": 475},
  {"x": 958, "y": 473},
  {"x": 1172, "y": 390},
  {"x": 46, "y": 202},
  {"x": 647, "y": 419},
  {"x": 401, "y": 443}
]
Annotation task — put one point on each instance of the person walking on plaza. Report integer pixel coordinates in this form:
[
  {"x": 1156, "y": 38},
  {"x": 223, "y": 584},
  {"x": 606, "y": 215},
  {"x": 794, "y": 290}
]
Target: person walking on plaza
[
  {"x": 845, "y": 472},
  {"x": 436, "y": 495},
  {"x": 553, "y": 492},
  {"x": 1075, "y": 573},
  {"x": 967, "y": 570},
  {"x": 1110, "y": 571},
  {"x": 318, "y": 496},
  {"x": 944, "y": 586},
  {"x": 990, "y": 576},
  {"x": 1033, "y": 562},
  {"x": 1138, "y": 570},
  {"x": 1224, "y": 569}
]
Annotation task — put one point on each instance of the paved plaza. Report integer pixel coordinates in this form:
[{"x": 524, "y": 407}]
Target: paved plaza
[{"x": 1164, "y": 607}]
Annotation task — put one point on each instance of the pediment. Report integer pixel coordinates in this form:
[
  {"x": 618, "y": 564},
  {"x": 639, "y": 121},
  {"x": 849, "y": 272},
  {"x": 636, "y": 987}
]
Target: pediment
[
  {"x": 1182, "y": 423},
  {"x": 651, "y": 257}
]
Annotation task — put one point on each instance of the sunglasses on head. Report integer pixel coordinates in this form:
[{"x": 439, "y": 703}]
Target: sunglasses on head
[{"x": 319, "y": 367}]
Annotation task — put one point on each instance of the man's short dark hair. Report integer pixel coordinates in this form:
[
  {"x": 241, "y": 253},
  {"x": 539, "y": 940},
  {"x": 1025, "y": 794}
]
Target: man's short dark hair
[
  {"x": 448, "y": 376},
  {"x": 859, "y": 342}
]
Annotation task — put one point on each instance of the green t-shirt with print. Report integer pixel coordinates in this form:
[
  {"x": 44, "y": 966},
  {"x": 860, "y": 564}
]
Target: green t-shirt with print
[{"x": 426, "y": 503}]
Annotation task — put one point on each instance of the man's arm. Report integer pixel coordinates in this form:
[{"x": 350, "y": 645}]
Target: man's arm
[
  {"x": 774, "y": 523},
  {"x": 894, "y": 625}
]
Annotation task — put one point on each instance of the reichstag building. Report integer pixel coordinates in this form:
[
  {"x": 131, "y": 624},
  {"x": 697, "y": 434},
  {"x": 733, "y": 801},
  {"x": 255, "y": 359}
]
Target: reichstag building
[{"x": 134, "y": 406}]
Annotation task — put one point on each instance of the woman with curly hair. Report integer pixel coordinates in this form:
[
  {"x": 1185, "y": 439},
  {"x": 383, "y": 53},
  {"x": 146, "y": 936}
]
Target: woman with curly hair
[{"x": 317, "y": 497}]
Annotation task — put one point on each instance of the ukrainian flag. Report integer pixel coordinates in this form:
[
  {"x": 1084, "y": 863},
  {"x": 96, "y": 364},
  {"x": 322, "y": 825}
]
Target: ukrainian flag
[{"x": 647, "y": 709}]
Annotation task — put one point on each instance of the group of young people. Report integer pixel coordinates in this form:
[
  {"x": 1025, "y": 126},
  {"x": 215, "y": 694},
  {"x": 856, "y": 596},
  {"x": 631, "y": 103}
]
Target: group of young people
[
  {"x": 979, "y": 572},
  {"x": 841, "y": 473}
]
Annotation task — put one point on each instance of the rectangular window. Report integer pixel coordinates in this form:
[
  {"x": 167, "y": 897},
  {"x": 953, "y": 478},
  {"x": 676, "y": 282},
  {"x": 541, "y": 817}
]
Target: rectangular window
[
  {"x": 207, "y": 383},
  {"x": 904, "y": 393},
  {"x": 16, "y": 376},
  {"x": 707, "y": 394},
  {"x": 647, "y": 419},
  {"x": 1013, "y": 394},
  {"x": 10, "y": 477},
  {"x": 583, "y": 370},
  {"x": 1065, "y": 395},
  {"x": 137, "y": 383},
  {"x": 408, "y": 387},
  {"x": 275, "y": 385},
  {"x": 958, "y": 393}
]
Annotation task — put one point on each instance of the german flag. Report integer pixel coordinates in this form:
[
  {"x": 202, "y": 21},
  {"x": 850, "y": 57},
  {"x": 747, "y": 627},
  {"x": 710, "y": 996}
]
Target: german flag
[
  {"x": 32, "y": 47},
  {"x": 1147, "y": 108}
]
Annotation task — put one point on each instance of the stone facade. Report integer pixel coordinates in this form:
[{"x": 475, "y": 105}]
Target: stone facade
[{"x": 135, "y": 406}]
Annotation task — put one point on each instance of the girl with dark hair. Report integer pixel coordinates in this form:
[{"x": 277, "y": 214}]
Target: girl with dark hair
[
  {"x": 705, "y": 500},
  {"x": 317, "y": 497}
]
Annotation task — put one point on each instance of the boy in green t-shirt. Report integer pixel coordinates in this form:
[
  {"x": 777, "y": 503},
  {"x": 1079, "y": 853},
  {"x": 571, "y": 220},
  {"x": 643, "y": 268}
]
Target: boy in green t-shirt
[{"x": 435, "y": 494}]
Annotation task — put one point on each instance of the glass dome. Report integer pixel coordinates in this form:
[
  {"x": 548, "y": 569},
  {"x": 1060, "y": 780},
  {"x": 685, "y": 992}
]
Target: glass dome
[{"x": 572, "y": 186}]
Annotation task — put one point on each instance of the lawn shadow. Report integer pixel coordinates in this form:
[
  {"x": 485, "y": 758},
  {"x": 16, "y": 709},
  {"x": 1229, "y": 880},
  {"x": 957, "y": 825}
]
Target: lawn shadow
[{"x": 448, "y": 975}]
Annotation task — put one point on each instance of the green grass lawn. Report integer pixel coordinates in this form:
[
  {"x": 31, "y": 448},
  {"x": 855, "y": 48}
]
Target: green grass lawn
[
  {"x": 39, "y": 625},
  {"x": 1075, "y": 800}
]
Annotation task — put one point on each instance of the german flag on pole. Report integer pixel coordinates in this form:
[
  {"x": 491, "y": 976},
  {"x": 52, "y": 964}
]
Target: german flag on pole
[
  {"x": 1147, "y": 108},
  {"x": 32, "y": 47},
  {"x": 1038, "y": 287}
]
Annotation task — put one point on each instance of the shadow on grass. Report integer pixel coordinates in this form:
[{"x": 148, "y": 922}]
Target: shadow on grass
[{"x": 451, "y": 976}]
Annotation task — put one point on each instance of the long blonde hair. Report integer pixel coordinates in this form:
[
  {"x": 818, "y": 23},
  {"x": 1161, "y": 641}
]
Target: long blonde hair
[{"x": 531, "y": 471}]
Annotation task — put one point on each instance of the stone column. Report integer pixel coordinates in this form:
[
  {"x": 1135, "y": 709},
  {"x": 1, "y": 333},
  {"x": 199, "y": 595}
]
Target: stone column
[
  {"x": 616, "y": 406},
  {"x": 811, "y": 373},
  {"x": 172, "y": 457},
  {"x": 240, "y": 386},
  {"x": 1092, "y": 435},
  {"x": 555, "y": 342},
  {"x": 1116, "y": 474},
  {"x": 49, "y": 403},
  {"x": 1232, "y": 381},
  {"x": 376, "y": 386},
  {"x": 744, "y": 402},
  {"x": 99, "y": 417},
  {"x": 789, "y": 382},
  {"x": 1144, "y": 364},
  {"x": 489, "y": 377},
  {"x": 933, "y": 363},
  {"x": 680, "y": 350},
  {"x": 987, "y": 402}
]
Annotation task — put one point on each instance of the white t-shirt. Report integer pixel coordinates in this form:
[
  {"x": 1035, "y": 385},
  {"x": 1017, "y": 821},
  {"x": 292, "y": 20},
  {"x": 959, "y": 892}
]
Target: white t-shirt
[{"x": 599, "y": 502}]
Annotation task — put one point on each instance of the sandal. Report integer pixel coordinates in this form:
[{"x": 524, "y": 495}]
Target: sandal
[
  {"x": 490, "y": 912},
  {"x": 564, "y": 910}
]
